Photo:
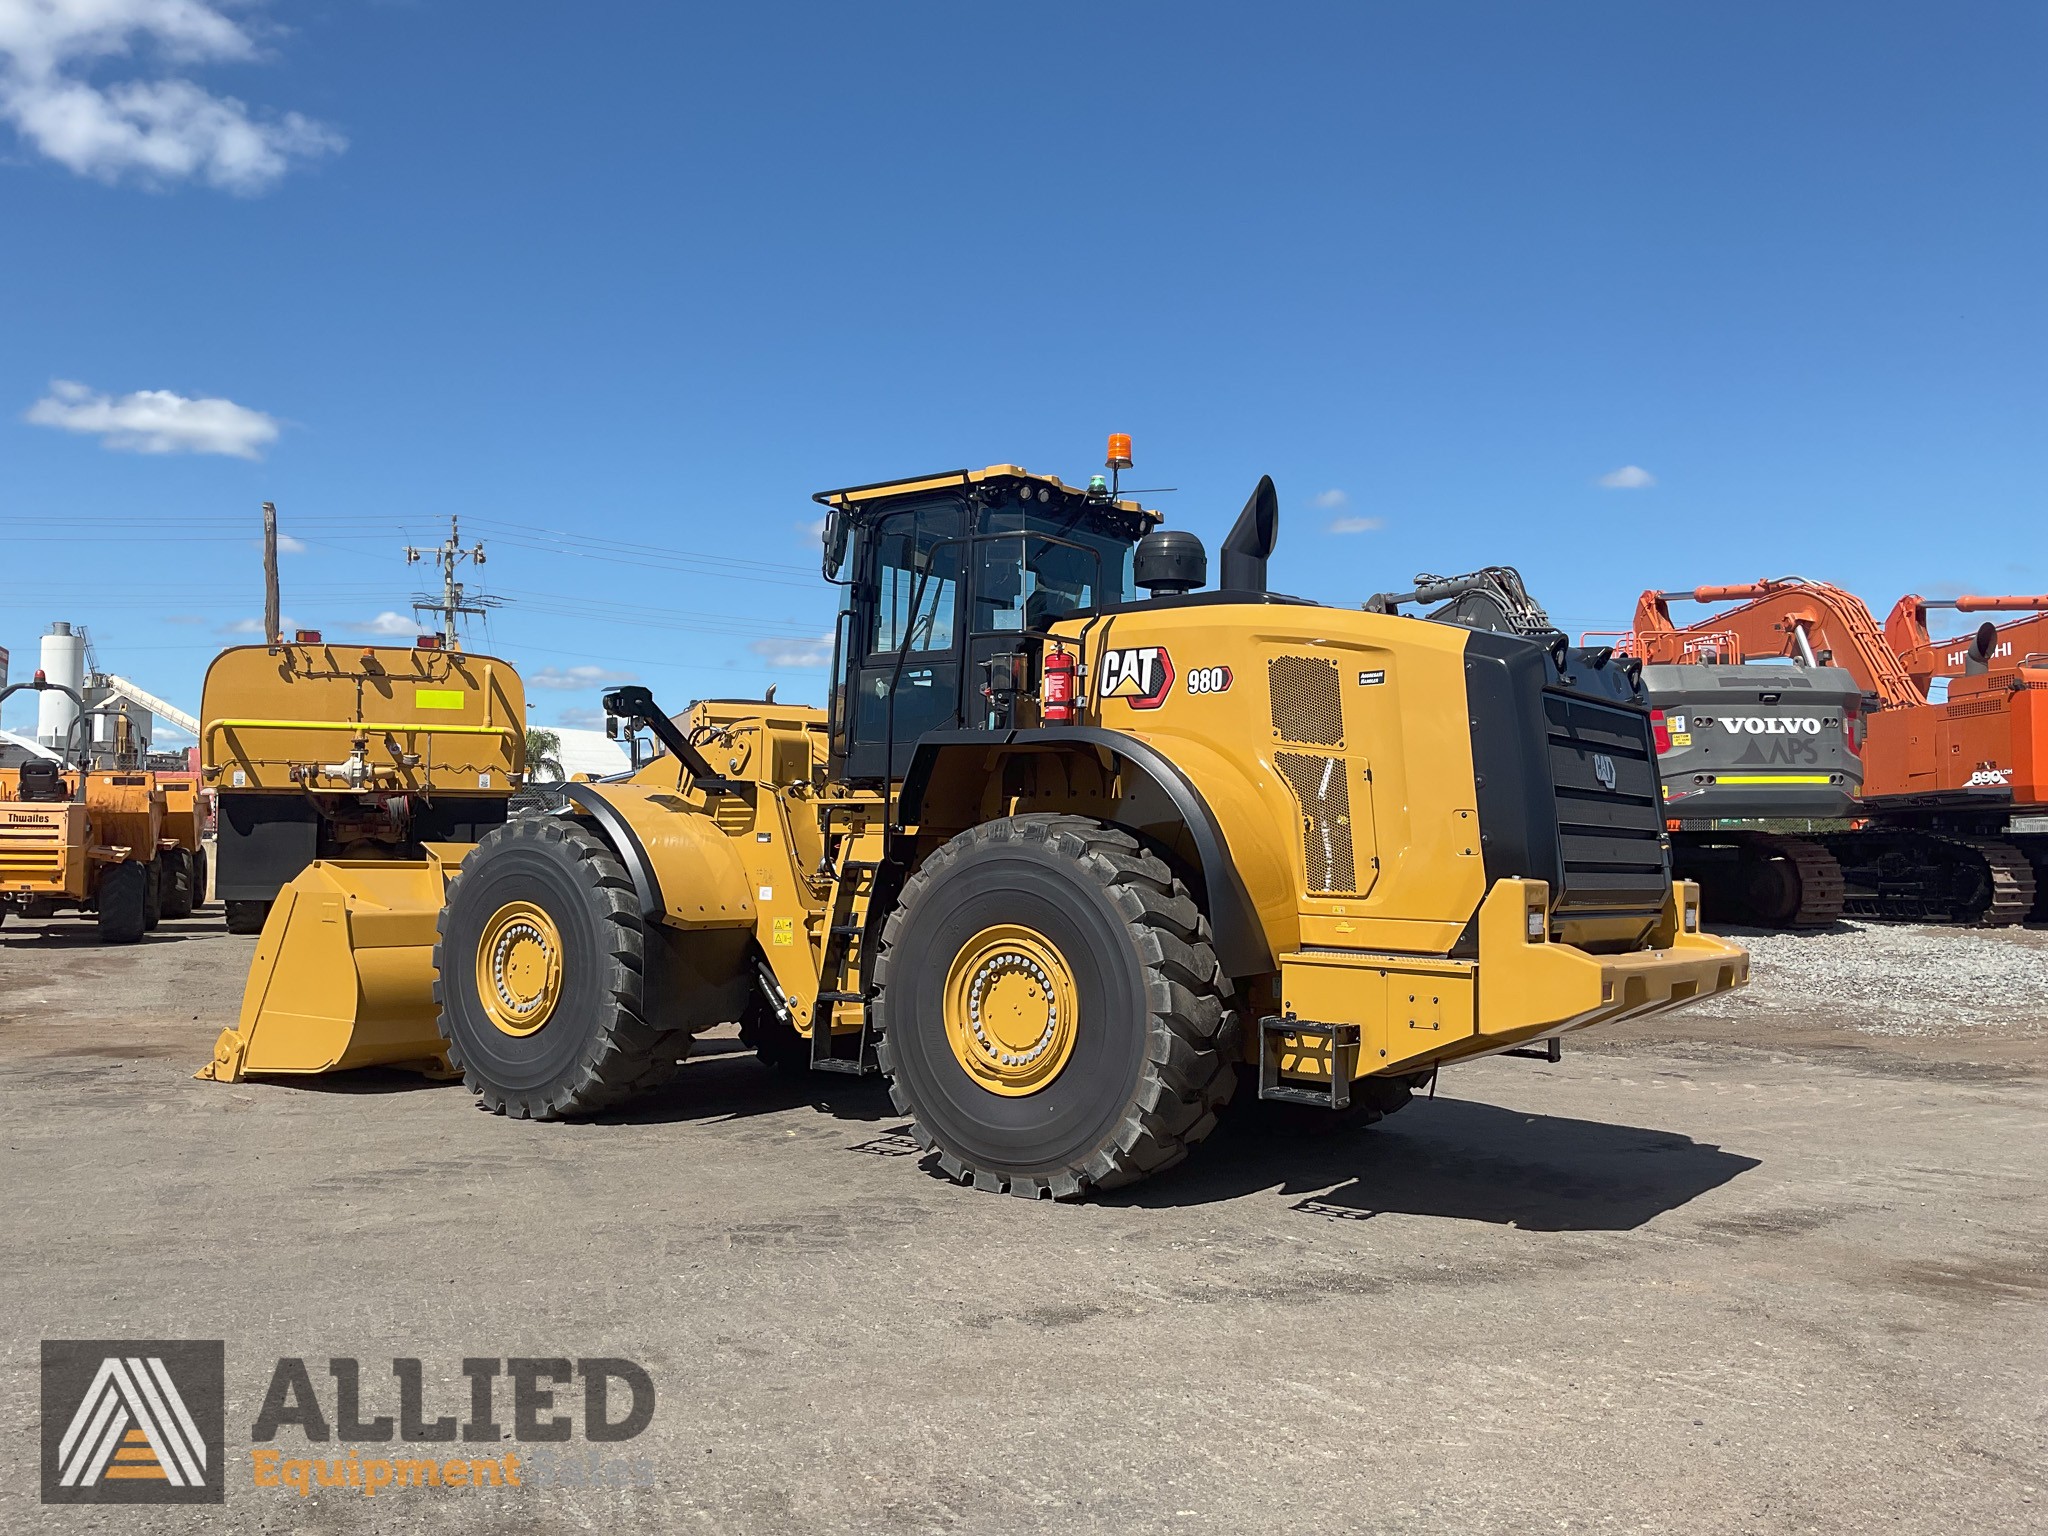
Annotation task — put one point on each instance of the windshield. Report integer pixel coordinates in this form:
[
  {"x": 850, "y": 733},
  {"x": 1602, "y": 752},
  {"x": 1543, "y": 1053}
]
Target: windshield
[{"x": 1039, "y": 567}]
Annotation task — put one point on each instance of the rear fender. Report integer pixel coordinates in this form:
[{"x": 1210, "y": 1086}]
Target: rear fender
[{"x": 948, "y": 760}]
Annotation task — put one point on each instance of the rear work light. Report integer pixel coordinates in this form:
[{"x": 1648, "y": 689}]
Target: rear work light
[
  {"x": 306, "y": 636},
  {"x": 1852, "y": 725},
  {"x": 1660, "y": 732}
]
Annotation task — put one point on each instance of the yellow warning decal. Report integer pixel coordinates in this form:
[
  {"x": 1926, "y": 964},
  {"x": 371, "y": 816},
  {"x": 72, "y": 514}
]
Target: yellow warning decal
[
  {"x": 1775, "y": 778},
  {"x": 784, "y": 932},
  {"x": 437, "y": 698}
]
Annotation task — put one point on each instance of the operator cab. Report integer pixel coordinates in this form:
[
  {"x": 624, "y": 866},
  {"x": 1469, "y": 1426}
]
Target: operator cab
[{"x": 946, "y": 579}]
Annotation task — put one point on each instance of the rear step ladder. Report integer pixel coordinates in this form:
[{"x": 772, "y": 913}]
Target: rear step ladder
[{"x": 1343, "y": 1040}]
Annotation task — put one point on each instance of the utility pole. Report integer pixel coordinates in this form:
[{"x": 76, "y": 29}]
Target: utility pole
[
  {"x": 270, "y": 619},
  {"x": 453, "y": 601}
]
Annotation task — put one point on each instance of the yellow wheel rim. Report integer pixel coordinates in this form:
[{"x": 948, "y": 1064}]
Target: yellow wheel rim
[
  {"x": 1010, "y": 1009},
  {"x": 519, "y": 968}
]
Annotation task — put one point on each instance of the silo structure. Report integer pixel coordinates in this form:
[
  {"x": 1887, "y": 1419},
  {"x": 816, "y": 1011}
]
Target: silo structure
[{"x": 63, "y": 662}]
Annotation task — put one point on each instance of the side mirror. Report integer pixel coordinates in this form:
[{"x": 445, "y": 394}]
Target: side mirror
[
  {"x": 611, "y": 726},
  {"x": 835, "y": 541}
]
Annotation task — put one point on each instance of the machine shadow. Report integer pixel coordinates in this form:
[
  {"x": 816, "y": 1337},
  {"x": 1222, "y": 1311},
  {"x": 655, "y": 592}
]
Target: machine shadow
[
  {"x": 1455, "y": 1159},
  {"x": 82, "y": 935},
  {"x": 724, "y": 1080}
]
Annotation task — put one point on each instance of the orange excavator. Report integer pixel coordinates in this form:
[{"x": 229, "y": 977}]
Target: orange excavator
[
  {"x": 1942, "y": 782},
  {"x": 1991, "y": 728}
]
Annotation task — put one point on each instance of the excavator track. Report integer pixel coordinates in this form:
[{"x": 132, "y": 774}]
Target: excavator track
[
  {"x": 1915, "y": 876},
  {"x": 2035, "y": 846},
  {"x": 1763, "y": 879},
  {"x": 1821, "y": 888}
]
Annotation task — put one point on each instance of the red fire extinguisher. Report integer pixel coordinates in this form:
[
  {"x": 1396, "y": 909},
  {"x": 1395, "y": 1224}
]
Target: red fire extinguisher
[{"x": 1056, "y": 698}]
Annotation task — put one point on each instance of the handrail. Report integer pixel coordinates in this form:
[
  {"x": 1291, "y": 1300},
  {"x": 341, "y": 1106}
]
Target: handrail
[{"x": 365, "y": 727}]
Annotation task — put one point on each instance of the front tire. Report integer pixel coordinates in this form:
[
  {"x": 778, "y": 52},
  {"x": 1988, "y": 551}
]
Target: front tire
[
  {"x": 1049, "y": 1010},
  {"x": 124, "y": 903},
  {"x": 542, "y": 976}
]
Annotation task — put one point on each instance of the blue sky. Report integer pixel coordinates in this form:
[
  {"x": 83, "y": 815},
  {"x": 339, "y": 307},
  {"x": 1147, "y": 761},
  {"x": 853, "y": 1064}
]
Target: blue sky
[{"x": 651, "y": 274}]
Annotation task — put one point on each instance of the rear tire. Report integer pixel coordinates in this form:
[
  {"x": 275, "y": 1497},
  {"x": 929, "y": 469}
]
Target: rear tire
[
  {"x": 177, "y": 881},
  {"x": 202, "y": 876},
  {"x": 593, "y": 1045},
  {"x": 1148, "y": 1057},
  {"x": 124, "y": 903},
  {"x": 153, "y": 910},
  {"x": 247, "y": 916}
]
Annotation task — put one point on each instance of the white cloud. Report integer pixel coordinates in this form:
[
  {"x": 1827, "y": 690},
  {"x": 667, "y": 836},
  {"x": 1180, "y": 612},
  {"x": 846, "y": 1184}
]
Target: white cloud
[
  {"x": 1330, "y": 500},
  {"x": 161, "y": 130},
  {"x": 154, "y": 420},
  {"x": 581, "y": 719},
  {"x": 1630, "y": 477},
  {"x": 287, "y": 545},
  {"x": 814, "y": 529},
  {"x": 566, "y": 679},
  {"x": 794, "y": 652},
  {"x": 285, "y": 625},
  {"x": 387, "y": 623},
  {"x": 1357, "y": 524}
]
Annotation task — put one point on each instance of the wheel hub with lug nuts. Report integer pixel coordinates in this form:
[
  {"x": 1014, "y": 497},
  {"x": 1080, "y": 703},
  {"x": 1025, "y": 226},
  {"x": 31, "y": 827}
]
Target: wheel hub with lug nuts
[
  {"x": 1010, "y": 1009},
  {"x": 519, "y": 968}
]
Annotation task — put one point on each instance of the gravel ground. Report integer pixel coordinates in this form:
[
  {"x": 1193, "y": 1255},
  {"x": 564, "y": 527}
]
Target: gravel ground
[
  {"x": 1767, "y": 1273},
  {"x": 1900, "y": 980}
]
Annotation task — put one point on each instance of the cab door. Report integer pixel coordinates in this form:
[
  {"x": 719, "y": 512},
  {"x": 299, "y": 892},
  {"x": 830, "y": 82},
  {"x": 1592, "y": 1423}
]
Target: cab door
[{"x": 907, "y": 636}]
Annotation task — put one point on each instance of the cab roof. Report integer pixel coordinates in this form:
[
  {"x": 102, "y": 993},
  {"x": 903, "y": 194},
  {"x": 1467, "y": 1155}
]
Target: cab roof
[{"x": 854, "y": 496}]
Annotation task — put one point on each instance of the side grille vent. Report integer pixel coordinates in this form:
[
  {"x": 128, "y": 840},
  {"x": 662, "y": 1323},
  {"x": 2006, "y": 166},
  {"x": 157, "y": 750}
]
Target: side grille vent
[
  {"x": 1307, "y": 701},
  {"x": 1322, "y": 790}
]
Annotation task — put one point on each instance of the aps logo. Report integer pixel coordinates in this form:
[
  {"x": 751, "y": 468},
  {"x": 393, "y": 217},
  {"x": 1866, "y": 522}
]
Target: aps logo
[{"x": 133, "y": 1421}]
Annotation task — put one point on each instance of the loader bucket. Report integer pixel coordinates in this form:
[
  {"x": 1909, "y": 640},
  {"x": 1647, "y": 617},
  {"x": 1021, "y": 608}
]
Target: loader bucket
[{"x": 344, "y": 972}]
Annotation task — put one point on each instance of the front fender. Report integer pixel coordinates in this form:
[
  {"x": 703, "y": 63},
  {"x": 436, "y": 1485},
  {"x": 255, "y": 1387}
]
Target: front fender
[{"x": 685, "y": 871}]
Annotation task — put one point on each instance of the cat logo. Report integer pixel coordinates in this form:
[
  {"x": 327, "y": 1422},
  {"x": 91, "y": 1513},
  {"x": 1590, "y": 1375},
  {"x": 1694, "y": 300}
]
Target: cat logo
[
  {"x": 1603, "y": 770},
  {"x": 1140, "y": 675}
]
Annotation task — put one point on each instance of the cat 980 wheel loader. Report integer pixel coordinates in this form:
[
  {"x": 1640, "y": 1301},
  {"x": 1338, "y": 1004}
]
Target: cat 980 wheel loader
[{"x": 1062, "y": 860}]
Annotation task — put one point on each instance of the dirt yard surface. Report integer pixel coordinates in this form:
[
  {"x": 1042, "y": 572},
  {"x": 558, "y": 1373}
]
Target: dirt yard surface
[{"x": 1778, "y": 1264}]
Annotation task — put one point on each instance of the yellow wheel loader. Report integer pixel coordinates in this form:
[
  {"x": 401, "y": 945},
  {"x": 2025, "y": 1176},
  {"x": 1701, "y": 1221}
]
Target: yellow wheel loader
[
  {"x": 123, "y": 846},
  {"x": 1064, "y": 860},
  {"x": 322, "y": 751}
]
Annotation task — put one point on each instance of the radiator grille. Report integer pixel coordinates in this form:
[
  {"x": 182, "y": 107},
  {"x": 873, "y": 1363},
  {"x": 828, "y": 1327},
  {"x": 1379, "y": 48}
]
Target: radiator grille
[
  {"x": 1307, "y": 700},
  {"x": 1610, "y": 837},
  {"x": 1962, "y": 709},
  {"x": 32, "y": 850},
  {"x": 1322, "y": 790}
]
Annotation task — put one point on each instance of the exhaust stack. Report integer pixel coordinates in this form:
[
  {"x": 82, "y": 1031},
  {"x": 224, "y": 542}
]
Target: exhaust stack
[{"x": 1251, "y": 540}]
